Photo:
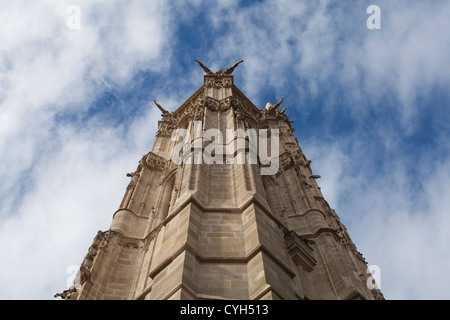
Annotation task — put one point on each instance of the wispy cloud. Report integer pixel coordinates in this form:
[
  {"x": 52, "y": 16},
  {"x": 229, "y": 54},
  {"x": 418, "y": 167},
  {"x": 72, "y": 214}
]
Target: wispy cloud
[
  {"x": 55, "y": 171},
  {"x": 326, "y": 46},
  {"x": 398, "y": 220},
  {"x": 364, "y": 102}
]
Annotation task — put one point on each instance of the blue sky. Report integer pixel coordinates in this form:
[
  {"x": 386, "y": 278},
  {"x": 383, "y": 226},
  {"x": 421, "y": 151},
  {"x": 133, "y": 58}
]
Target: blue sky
[{"x": 370, "y": 110}]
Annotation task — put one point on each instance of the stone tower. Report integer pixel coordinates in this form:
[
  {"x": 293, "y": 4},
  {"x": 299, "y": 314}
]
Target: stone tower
[{"x": 202, "y": 229}]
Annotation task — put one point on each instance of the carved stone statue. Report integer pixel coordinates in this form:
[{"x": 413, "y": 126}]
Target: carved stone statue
[
  {"x": 134, "y": 179},
  {"x": 219, "y": 72},
  {"x": 207, "y": 71},
  {"x": 270, "y": 106},
  {"x": 231, "y": 69},
  {"x": 69, "y": 294},
  {"x": 85, "y": 274},
  {"x": 164, "y": 111},
  {"x": 166, "y": 115}
]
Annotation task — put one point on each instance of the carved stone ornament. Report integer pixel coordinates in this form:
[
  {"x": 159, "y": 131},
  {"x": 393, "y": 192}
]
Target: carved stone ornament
[
  {"x": 85, "y": 274},
  {"x": 218, "y": 82},
  {"x": 305, "y": 185},
  {"x": 272, "y": 112},
  {"x": 210, "y": 103},
  {"x": 69, "y": 294},
  {"x": 99, "y": 242},
  {"x": 134, "y": 179},
  {"x": 165, "y": 129},
  {"x": 166, "y": 115},
  {"x": 225, "y": 104},
  {"x": 300, "y": 251},
  {"x": 228, "y": 71},
  {"x": 286, "y": 161},
  {"x": 154, "y": 162},
  {"x": 300, "y": 159}
]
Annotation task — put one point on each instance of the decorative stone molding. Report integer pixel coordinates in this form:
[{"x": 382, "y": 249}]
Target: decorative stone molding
[
  {"x": 69, "y": 294},
  {"x": 153, "y": 161},
  {"x": 165, "y": 129},
  {"x": 218, "y": 105},
  {"x": 189, "y": 108},
  {"x": 300, "y": 251},
  {"x": 100, "y": 241},
  {"x": 300, "y": 159},
  {"x": 199, "y": 113},
  {"x": 218, "y": 81},
  {"x": 306, "y": 185},
  {"x": 274, "y": 114},
  {"x": 211, "y": 104},
  {"x": 166, "y": 115},
  {"x": 286, "y": 161}
]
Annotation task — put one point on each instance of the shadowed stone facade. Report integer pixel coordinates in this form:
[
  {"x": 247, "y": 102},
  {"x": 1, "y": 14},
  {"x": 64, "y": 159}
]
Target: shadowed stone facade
[{"x": 223, "y": 231}]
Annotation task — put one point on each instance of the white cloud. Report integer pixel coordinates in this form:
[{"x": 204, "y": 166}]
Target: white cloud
[
  {"x": 407, "y": 237},
  {"x": 50, "y": 69},
  {"x": 325, "y": 42},
  {"x": 399, "y": 221},
  {"x": 75, "y": 189},
  {"x": 55, "y": 174}
]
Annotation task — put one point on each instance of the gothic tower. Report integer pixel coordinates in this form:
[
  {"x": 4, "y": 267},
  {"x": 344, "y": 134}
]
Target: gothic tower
[{"x": 196, "y": 223}]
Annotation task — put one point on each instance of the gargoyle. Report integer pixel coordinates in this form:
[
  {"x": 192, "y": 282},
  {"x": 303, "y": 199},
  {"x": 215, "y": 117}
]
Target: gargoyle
[
  {"x": 204, "y": 67},
  {"x": 164, "y": 111},
  {"x": 219, "y": 72},
  {"x": 270, "y": 106},
  {"x": 231, "y": 69}
]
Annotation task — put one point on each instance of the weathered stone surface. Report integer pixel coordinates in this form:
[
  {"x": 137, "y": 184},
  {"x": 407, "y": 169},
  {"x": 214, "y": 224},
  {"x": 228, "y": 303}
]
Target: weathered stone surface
[{"x": 223, "y": 231}]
